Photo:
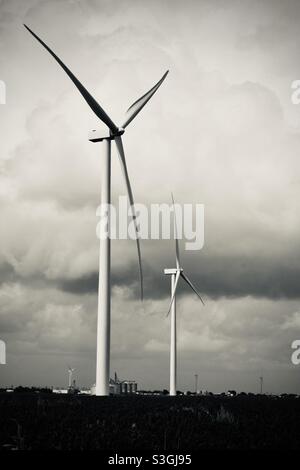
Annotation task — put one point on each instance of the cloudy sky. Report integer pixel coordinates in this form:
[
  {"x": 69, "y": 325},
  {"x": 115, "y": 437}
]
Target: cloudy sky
[{"x": 221, "y": 131}]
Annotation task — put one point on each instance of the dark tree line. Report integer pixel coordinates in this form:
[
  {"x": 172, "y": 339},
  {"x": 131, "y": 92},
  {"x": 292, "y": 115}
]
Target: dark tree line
[{"x": 47, "y": 421}]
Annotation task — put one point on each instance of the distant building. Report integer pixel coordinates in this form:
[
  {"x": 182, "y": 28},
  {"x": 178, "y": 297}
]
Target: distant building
[
  {"x": 122, "y": 387},
  {"x": 117, "y": 387},
  {"x": 86, "y": 391}
]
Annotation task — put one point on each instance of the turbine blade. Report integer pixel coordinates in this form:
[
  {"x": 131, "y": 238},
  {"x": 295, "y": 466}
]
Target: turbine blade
[
  {"x": 121, "y": 153},
  {"x": 174, "y": 291},
  {"x": 191, "y": 285},
  {"x": 136, "y": 107},
  {"x": 175, "y": 233},
  {"x": 98, "y": 110}
]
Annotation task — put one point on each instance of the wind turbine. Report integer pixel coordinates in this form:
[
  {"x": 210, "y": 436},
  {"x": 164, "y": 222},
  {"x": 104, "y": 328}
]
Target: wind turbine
[
  {"x": 70, "y": 372},
  {"x": 261, "y": 380},
  {"x": 104, "y": 291},
  {"x": 175, "y": 274}
]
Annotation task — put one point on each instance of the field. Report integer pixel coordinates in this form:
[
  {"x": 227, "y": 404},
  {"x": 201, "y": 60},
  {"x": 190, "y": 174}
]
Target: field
[{"x": 46, "y": 421}]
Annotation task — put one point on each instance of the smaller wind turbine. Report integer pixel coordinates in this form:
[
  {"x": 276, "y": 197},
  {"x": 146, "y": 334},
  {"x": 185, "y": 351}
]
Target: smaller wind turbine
[
  {"x": 175, "y": 274},
  {"x": 70, "y": 372},
  {"x": 261, "y": 380}
]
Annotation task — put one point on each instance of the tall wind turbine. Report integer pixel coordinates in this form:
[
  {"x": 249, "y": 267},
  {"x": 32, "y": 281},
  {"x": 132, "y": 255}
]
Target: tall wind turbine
[
  {"x": 104, "y": 291},
  {"x": 175, "y": 274}
]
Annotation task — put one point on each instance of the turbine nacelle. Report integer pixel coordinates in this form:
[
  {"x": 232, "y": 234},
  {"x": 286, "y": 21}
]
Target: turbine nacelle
[
  {"x": 170, "y": 271},
  {"x": 98, "y": 135}
]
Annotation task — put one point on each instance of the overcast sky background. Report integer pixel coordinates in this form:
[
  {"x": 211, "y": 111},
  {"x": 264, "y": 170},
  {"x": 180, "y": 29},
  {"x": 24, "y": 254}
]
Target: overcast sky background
[{"x": 221, "y": 131}]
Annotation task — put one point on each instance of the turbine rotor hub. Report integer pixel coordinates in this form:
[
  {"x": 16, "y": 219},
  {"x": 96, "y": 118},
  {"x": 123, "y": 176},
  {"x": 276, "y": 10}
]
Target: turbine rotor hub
[
  {"x": 98, "y": 135},
  {"x": 170, "y": 271}
]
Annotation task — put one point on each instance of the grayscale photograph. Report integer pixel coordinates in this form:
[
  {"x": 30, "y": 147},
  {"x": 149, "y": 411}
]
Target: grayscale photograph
[{"x": 150, "y": 228}]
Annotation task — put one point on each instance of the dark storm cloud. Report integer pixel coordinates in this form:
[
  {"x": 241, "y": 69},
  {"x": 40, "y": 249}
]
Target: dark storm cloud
[
  {"x": 84, "y": 285},
  {"x": 7, "y": 273},
  {"x": 215, "y": 278},
  {"x": 241, "y": 277},
  {"x": 89, "y": 284}
]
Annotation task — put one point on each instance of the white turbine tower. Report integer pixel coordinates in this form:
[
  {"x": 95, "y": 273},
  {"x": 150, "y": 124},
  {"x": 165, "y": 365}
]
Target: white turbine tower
[
  {"x": 104, "y": 291},
  {"x": 175, "y": 274},
  {"x": 70, "y": 372}
]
